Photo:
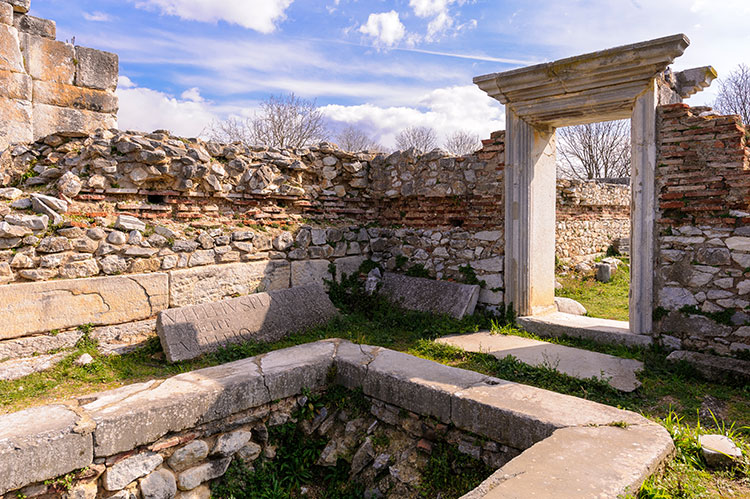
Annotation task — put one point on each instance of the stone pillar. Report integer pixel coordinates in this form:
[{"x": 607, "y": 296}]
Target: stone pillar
[
  {"x": 530, "y": 179},
  {"x": 643, "y": 211}
]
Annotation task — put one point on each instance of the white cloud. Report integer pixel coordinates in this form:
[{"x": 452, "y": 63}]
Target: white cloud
[
  {"x": 441, "y": 18},
  {"x": 97, "y": 16},
  {"x": 386, "y": 28},
  {"x": 258, "y": 15},
  {"x": 446, "y": 110},
  {"x": 147, "y": 110}
]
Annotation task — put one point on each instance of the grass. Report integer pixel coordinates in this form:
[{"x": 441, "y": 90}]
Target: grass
[
  {"x": 607, "y": 301},
  {"x": 671, "y": 394}
]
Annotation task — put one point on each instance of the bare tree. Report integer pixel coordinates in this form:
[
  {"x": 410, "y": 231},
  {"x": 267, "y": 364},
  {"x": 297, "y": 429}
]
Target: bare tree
[
  {"x": 285, "y": 121},
  {"x": 230, "y": 130},
  {"x": 421, "y": 138},
  {"x": 460, "y": 143},
  {"x": 734, "y": 94},
  {"x": 597, "y": 150},
  {"x": 355, "y": 139}
]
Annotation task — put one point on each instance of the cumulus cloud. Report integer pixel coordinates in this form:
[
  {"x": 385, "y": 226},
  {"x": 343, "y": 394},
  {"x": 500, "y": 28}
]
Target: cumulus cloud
[
  {"x": 259, "y": 15},
  {"x": 441, "y": 18},
  {"x": 147, "y": 110},
  {"x": 385, "y": 28},
  {"x": 446, "y": 110}
]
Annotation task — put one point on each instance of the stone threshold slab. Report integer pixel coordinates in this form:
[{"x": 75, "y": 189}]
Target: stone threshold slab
[
  {"x": 604, "y": 331},
  {"x": 582, "y": 364}
]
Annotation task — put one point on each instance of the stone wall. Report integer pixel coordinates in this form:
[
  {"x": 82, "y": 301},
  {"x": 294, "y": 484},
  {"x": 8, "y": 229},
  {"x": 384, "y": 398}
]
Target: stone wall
[
  {"x": 170, "y": 438},
  {"x": 703, "y": 230},
  {"x": 49, "y": 86},
  {"x": 591, "y": 215}
]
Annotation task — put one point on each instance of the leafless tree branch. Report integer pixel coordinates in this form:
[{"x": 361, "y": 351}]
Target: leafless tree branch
[
  {"x": 460, "y": 143},
  {"x": 734, "y": 94},
  {"x": 422, "y": 138},
  {"x": 597, "y": 150}
]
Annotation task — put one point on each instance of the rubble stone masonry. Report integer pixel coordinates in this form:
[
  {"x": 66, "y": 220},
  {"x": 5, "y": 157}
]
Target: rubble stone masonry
[
  {"x": 49, "y": 86},
  {"x": 702, "y": 280}
]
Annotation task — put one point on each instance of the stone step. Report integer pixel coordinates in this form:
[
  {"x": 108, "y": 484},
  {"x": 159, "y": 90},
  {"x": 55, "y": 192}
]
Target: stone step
[
  {"x": 604, "y": 331},
  {"x": 582, "y": 364}
]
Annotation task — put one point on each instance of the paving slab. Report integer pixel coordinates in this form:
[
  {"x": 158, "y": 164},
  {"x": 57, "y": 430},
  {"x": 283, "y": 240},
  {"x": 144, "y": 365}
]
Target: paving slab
[
  {"x": 595, "y": 329},
  {"x": 601, "y": 462},
  {"x": 582, "y": 364},
  {"x": 428, "y": 295}
]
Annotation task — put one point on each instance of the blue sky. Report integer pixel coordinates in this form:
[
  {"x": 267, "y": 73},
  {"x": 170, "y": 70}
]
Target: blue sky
[{"x": 380, "y": 65}]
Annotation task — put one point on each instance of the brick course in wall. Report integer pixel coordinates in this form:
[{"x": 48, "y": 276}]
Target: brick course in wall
[{"x": 703, "y": 226}]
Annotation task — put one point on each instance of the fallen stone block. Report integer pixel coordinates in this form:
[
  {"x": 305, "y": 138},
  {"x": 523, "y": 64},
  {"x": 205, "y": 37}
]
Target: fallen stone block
[
  {"x": 43, "y": 306},
  {"x": 39, "y": 443},
  {"x": 189, "y": 332},
  {"x": 217, "y": 282},
  {"x": 426, "y": 295},
  {"x": 18, "y": 368},
  {"x": 719, "y": 451},
  {"x": 714, "y": 367},
  {"x": 569, "y": 306}
]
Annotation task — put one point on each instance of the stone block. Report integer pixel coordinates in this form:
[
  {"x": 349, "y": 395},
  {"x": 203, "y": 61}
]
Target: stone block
[
  {"x": 160, "y": 484},
  {"x": 519, "y": 415},
  {"x": 288, "y": 371},
  {"x": 16, "y": 118},
  {"x": 10, "y": 50},
  {"x": 48, "y": 120},
  {"x": 714, "y": 367},
  {"x": 418, "y": 385},
  {"x": 582, "y": 462},
  {"x": 48, "y": 60},
  {"x": 41, "y": 443},
  {"x": 192, "y": 478},
  {"x": 189, "y": 455},
  {"x": 35, "y": 26},
  {"x": 426, "y": 295},
  {"x": 15, "y": 85},
  {"x": 139, "y": 414},
  {"x": 189, "y": 332},
  {"x": 217, "y": 282},
  {"x": 6, "y": 14},
  {"x": 62, "y": 95},
  {"x": 96, "y": 69},
  {"x": 130, "y": 469},
  {"x": 43, "y": 306},
  {"x": 352, "y": 361},
  {"x": 348, "y": 265},
  {"x": 21, "y": 6},
  {"x": 310, "y": 272}
]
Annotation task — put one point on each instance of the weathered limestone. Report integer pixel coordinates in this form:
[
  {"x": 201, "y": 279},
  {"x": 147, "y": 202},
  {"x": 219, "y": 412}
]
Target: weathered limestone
[
  {"x": 427, "y": 295},
  {"x": 577, "y": 326},
  {"x": 310, "y": 272},
  {"x": 44, "y": 306},
  {"x": 582, "y": 364},
  {"x": 203, "y": 285},
  {"x": 188, "y": 332},
  {"x": 96, "y": 69},
  {"x": 231, "y": 399},
  {"x": 530, "y": 175},
  {"x": 719, "y": 451},
  {"x": 582, "y": 462},
  {"x": 41, "y": 443},
  {"x": 714, "y": 367}
]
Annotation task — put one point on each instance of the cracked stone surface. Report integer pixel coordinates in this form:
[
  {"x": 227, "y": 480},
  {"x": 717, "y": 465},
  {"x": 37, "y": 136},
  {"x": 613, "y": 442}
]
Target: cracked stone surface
[
  {"x": 43, "y": 306},
  {"x": 428, "y": 295},
  {"x": 582, "y": 364},
  {"x": 18, "y": 368}
]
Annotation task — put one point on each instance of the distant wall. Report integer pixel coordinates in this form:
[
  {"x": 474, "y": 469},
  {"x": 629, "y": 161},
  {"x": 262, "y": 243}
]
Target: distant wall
[
  {"x": 49, "y": 86},
  {"x": 591, "y": 215}
]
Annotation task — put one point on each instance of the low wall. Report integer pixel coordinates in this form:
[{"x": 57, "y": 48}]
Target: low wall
[
  {"x": 184, "y": 431},
  {"x": 49, "y": 86},
  {"x": 703, "y": 230}
]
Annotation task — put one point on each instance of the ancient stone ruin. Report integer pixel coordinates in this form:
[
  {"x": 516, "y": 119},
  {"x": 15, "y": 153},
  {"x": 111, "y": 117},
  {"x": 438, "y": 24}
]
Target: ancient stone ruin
[{"x": 213, "y": 244}]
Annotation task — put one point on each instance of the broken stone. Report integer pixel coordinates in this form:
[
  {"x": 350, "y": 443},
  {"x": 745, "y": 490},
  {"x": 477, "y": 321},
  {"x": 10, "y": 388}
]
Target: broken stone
[
  {"x": 229, "y": 443},
  {"x": 258, "y": 317},
  {"x": 185, "y": 457},
  {"x": 719, "y": 451},
  {"x": 569, "y": 306},
  {"x": 193, "y": 477},
  {"x": 122, "y": 473},
  {"x": 427, "y": 295},
  {"x": 128, "y": 223},
  {"x": 160, "y": 484}
]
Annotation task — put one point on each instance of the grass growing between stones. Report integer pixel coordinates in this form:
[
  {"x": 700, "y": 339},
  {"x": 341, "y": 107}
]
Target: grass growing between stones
[
  {"x": 606, "y": 301},
  {"x": 669, "y": 393}
]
